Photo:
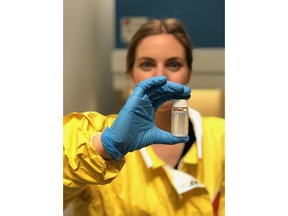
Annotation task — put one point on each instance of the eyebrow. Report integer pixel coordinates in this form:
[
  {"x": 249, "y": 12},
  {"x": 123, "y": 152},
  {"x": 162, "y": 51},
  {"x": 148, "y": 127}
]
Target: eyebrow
[
  {"x": 175, "y": 58},
  {"x": 145, "y": 58},
  {"x": 151, "y": 59}
]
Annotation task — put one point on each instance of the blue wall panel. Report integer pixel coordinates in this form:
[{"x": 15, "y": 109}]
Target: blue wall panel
[{"x": 204, "y": 20}]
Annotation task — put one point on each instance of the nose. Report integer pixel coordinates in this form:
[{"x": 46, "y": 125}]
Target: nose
[{"x": 160, "y": 70}]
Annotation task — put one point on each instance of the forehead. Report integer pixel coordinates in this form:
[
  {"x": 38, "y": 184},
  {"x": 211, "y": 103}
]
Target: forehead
[{"x": 160, "y": 45}]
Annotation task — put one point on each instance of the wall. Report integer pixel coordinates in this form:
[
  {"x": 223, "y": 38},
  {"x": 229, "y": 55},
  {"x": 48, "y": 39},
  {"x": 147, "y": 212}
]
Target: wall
[
  {"x": 88, "y": 42},
  {"x": 205, "y": 20}
]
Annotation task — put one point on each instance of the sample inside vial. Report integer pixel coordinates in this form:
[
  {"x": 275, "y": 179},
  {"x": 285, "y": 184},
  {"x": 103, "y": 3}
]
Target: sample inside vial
[{"x": 179, "y": 121}]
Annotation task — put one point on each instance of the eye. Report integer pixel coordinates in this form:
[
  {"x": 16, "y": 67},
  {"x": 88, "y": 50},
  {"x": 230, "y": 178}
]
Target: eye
[
  {"x": 146, "y": 66},
  {"x": 173, "y": 65}
]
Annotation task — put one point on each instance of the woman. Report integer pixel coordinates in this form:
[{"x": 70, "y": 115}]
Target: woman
[{"x": 146, "y": 176}]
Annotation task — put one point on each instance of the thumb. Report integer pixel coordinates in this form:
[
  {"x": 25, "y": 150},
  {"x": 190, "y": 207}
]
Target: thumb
[{"x": 168, "y": 138}]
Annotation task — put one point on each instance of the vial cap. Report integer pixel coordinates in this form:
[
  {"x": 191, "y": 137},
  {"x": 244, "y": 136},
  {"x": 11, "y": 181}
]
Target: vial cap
[{"x": 180, "y": 103}]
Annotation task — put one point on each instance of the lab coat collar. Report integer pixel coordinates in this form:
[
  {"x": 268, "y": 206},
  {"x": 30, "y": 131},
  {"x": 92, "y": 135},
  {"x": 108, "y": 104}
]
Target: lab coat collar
[{"x": 196, "y": 120}]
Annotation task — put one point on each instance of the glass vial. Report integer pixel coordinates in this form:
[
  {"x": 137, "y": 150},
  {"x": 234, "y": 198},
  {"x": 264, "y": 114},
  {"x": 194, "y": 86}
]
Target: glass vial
[{"x": 179, "y": 118}]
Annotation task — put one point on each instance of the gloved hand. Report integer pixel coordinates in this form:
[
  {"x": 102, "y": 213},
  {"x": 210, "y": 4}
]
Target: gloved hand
[{"x": 134, "y": 127}]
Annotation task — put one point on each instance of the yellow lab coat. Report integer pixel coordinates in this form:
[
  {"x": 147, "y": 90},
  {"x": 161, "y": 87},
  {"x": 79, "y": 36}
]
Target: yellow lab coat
[{"x": 140, "y": 183}]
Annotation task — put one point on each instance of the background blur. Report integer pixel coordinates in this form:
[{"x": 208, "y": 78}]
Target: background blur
[{"x": 96, "y": 33}]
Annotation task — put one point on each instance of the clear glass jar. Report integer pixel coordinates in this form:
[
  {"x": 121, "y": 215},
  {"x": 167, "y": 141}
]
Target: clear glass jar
[{"x": 179, "y": 118}]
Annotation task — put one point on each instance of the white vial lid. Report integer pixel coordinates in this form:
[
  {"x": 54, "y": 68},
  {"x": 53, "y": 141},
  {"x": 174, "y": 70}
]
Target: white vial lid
[{"x": 180, "y": 103}]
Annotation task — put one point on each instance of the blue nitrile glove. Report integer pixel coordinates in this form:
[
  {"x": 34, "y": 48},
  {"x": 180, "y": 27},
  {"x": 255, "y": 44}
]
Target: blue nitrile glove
[{"x": 134, "y": 127}]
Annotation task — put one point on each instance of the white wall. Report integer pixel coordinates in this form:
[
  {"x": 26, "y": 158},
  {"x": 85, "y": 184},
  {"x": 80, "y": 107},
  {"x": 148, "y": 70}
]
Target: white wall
[{"x": 88, "y": 42}]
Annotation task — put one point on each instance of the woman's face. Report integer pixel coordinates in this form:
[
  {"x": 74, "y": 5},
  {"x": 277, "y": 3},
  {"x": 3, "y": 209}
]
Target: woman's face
[{"x": 161, "y": 55}]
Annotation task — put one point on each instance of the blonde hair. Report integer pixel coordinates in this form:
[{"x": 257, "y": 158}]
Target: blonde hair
[{"x": 157, "y": 26}]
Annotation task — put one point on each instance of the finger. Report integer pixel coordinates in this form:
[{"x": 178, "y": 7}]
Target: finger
[
  {"x": 165, "y": 137},
  {"x": 160, "y": 101},
  {"x": 174, "y": 87},
  {"x": 162, "y": 96},
  {"x": 169, "y": 88},
  {"x": 150, "y": 84}
]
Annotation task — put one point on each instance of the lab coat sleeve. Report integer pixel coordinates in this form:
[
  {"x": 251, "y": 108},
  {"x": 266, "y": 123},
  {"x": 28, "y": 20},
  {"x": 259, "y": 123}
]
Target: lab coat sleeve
[
  {"x": 221, "y": 210},
  {"x": 82, "y": 165}
]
